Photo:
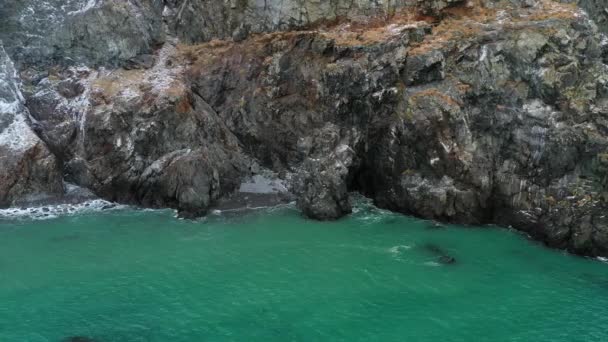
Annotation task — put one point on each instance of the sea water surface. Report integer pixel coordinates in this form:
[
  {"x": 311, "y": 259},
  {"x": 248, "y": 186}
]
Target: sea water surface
[{"x": 271, "y": 275}]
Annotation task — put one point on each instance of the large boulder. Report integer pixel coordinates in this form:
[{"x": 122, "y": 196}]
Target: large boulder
[{"x": 321, "y": 184}]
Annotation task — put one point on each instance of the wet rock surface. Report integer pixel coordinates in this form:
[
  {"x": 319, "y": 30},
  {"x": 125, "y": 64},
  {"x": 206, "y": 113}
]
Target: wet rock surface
[{"x": 459, "y": 111}]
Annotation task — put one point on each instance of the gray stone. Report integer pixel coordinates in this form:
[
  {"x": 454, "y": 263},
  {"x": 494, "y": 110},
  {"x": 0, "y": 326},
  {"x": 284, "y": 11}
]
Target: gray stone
[{"x": 28, "y": 171}]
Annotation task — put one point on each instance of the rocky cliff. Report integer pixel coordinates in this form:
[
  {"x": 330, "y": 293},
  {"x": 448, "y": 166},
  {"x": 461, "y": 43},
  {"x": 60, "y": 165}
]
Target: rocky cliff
[
  {"x": 460, "y": 111},
  {"x": 28, "y": 171}
]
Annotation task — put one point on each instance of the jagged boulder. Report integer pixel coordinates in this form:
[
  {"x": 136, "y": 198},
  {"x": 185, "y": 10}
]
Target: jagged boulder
[{"x": 321, "y": 184}]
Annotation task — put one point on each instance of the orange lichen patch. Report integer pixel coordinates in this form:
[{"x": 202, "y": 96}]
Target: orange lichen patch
[
  {"x": 434, "y": 92},
  {"x": 136, "y": 83},
  {"x": 462, "y": 24},
  {"x": 205, "y": 52},
  {"x": 262, "y": 39},
  {"x": 258, "y": 49},
  {"x": 473, "y": 8},
  {"x": 144, "y": 86},
  {"x": 175, "y": 90},
  {"x": 467, "y": 21},
  {"x": 112, "y": 84},
  {"x": 549, "y": 9},
  {"x": 344, "y": 32},
  {"x": 202, "y": 56},
  {"x": 347, "y": 36},
  {"x": 545, "y": 10},
  {"x": 458, "y": 23},
  {"x": 403, "y": 15},
  {"x": 463, "y": 88},
  {"x": 373, "y": 29},
  {"x": 184, "y": 105}
]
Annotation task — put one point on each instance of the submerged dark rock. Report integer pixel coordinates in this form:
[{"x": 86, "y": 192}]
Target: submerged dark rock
[
  {"x": 66, "y": 238},
  {"x": 79, "y": 339},
  {"x": 442, "y": 256},
  {"x": 446, "y": 260}
]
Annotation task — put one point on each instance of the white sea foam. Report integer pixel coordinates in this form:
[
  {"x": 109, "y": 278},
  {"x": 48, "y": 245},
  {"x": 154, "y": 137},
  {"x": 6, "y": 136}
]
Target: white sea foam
[
  {"x": 57, "y": 210},
  {"x": 432, "y": 264},
  {"x": 397, "y": 250}
]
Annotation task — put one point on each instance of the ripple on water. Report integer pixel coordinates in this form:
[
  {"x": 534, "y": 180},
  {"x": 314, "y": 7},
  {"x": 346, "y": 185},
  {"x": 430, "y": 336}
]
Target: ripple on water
[{"x": 271, "y": 275}]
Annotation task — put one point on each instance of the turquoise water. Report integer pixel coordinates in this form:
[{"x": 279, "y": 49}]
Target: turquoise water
[{"x": 130, "y": 276}]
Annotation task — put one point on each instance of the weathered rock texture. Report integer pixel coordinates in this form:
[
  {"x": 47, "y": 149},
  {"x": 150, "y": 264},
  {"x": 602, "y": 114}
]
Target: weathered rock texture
[
  {"x": 203, "y": 20},
  {"x": 43, "y": 32},
  {"x": 598, "y": 10},
  {"x": 460, "y": 111},
  {"x": 490, "y": 117},
  {"x": 139, "y": 136},
  {"x": 28, "y": 171}
]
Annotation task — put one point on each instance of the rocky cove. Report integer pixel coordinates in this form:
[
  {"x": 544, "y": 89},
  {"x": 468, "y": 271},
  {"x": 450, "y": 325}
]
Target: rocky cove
[{"x": 469, "y": 112}]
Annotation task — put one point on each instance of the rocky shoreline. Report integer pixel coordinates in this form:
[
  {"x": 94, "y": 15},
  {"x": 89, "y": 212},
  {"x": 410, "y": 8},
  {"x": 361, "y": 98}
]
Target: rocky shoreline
[{"x": 471, "y": 112}]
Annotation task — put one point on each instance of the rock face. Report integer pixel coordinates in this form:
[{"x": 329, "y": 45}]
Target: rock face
[
  {"x": 460, "y": 111},
  {"x": 28, "y": 171},
  {"x": 139, "y": 136},
  {"x": 43, "y": 32},
  {"x": 492, "y": 117},
  {"x": 598, "y": 10},
  {"x": 203, "y": 20}
]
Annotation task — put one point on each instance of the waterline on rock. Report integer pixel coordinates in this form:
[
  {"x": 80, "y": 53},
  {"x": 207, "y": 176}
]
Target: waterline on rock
[{"x": 54, "y": 211}]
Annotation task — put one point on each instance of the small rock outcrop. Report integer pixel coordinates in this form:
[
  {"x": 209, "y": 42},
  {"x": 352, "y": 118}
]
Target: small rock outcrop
[{"x": 322, "y": 181}]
